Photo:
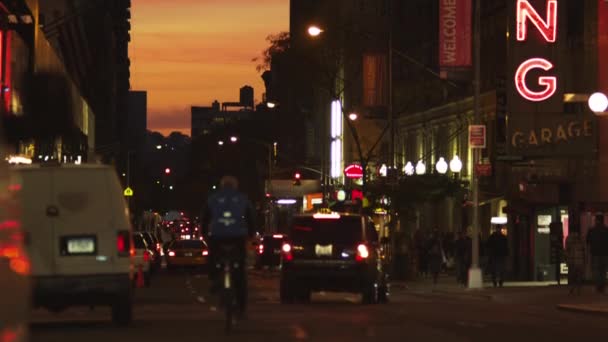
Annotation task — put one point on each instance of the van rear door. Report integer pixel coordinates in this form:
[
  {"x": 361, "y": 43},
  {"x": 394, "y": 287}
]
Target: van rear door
[
  {"x": 37, "y": 205},
  {"x": 84, "y": 236}
]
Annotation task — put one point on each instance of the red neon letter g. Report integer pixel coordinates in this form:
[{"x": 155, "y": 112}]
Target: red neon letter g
[{"x": 549, "y": 82}]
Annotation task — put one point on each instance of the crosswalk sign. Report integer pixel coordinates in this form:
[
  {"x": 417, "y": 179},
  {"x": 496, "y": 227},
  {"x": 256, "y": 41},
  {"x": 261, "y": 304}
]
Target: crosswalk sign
[{"x": 128, "y": 192}]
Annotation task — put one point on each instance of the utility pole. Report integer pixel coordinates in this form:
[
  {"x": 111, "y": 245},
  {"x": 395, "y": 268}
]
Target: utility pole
[{"x": 475, "y": 277}]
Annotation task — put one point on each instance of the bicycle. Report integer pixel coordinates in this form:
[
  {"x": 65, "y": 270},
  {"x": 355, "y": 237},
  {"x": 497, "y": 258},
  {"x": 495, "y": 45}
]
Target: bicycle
[{"x": 229, "y": 300}]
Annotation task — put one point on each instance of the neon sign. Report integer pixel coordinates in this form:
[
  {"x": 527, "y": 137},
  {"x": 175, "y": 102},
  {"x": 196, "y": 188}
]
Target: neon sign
[
  {"x": 549, "y": 82},
  {"x": 548, "y": 30}
]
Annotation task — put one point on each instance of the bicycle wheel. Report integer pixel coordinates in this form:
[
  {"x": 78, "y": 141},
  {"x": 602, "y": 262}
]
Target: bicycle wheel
[{"x": 229, "y": 310}]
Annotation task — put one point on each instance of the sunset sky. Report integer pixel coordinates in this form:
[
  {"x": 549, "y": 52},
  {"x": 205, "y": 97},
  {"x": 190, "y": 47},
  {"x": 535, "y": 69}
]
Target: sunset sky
[{"x": 191, "y": 52}]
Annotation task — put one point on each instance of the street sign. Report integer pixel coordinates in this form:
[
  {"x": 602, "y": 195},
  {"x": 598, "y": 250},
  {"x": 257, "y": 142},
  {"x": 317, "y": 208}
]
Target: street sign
[
  {"x": 354, "y": 171},
  {"x": 477, "y": 136},
  {"x": 128, "y": 192},
  {"x": 483, "y": 169}
]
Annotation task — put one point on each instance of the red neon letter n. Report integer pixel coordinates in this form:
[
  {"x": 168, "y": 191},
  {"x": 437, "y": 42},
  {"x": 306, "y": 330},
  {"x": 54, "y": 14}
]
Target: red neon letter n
[{"x": 547, "y": 28}]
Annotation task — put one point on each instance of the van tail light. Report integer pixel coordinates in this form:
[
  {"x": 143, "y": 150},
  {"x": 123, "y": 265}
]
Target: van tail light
[
  {"x": 146, "y": 256},
  {"x": 287, "y": 255},
  {"x": 362, "y": 252},
  {"x": 123, "y": 243}
]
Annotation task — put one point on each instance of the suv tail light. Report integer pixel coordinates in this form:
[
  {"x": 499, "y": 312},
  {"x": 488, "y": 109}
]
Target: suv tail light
[
  {"x": 123, "y": 243},
  {"x": 286, "y": 248},
  {"x": 362, "y": 252}
]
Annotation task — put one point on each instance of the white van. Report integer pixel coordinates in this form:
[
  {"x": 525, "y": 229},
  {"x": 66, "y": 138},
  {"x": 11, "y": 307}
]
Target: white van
[
  {"x": 14, "y": 262},
  {"x": 80, "y": 237}
]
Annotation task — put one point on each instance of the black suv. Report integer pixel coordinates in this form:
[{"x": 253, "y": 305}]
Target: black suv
[{"x": 332, "y": 252}]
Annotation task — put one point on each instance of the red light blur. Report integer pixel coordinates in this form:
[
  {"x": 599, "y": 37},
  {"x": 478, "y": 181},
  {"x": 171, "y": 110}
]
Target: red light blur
[
  {"x": 120, "y": 243},
  {"x": 146, "y": 256},
  {"x": 362, "y": 252},
  {"x": 171, "y": 253}
]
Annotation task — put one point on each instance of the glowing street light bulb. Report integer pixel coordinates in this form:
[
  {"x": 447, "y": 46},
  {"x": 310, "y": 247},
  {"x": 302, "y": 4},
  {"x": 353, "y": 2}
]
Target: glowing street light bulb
[
  {"x": 353, "y": 116},
  {"x": 598, "y": 102},
  {"x": 234, "y": 139},
  {"x": 408, "y": 169},
  {"x": 455, "y": 164},
  {"x": 271, "y": 105},
  {"x": 314, "y": 31},
  {"x": 221, "y": 143},
  {"x": 442, "y": 166},
  {"x": 420, "y": 168}
]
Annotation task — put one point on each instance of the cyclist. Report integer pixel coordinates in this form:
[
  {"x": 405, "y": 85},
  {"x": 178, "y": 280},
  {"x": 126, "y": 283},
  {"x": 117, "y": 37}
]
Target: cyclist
[{"x": 229, "y": 219}]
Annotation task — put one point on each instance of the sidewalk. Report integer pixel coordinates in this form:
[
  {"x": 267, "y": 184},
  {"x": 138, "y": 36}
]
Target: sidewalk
[{"x": 546, "y": 293}]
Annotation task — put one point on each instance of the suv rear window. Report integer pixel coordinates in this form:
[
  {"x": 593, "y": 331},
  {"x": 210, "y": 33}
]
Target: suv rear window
[{"x": 345, "y": 230}]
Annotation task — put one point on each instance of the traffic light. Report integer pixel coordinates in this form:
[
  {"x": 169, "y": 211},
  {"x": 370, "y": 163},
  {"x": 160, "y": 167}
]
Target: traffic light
[{"x": 296, "y": 178}]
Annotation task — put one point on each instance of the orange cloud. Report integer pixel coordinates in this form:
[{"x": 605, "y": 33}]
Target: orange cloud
[{"x": 191, "y": 52}]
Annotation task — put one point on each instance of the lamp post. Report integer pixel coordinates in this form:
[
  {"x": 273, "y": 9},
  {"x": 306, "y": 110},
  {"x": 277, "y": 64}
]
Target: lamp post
[{"x": 475, "y": 276}]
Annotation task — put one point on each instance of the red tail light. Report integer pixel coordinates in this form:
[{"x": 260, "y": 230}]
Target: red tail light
[
  {"x": 146, "y": 256},
  {"x": 287, "y": 252},
  {"x": 158, "y": 246},
  {"x": 205, "y": 253},
  {"x": 171, "y": 253},
  {"x": 362, "y": 252},
  {"x": 123, "y": 243},
  {"x": 260, "y": 249}
]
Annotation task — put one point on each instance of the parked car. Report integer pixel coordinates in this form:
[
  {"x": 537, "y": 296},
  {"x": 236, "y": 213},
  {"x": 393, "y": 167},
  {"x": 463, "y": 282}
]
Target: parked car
[
  {"x": 268, "y": 253},
  {"x": 80, "y": 237},
  {"x": 143, "y": 259},
  {"x": 332, "y": 252},
  {"x": 187, "y": 253},
  {"x": 14, "y": 261}
]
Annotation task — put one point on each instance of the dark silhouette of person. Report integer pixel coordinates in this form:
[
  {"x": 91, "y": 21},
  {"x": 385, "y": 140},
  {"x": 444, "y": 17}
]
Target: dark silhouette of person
[
  {"x": 597, "y": 239},
  {"x": 498, "y": 250}
]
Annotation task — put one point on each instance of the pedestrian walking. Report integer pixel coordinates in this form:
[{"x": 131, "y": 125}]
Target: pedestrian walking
[
  {"x": 597, "y": 240},
  {"x": 462, "y": 254},
  {"x": 576, "y": 258},
  {"x": 498, "y": 250},
  {"x": 435, "y": 255}
]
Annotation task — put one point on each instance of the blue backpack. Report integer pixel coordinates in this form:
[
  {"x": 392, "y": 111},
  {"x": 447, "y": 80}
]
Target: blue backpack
[{"x": 228, "y": 209}]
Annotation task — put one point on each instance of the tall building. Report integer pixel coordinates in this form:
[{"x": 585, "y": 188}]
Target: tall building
[
  {"x": 91, "y": 37},
  {"x": 46, "y": 112}
]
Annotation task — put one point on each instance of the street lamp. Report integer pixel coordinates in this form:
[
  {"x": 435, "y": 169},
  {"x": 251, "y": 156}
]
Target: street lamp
[
  {"x": 158, "y": 147},
  {"x": 271, "y": 104},
  {"x": 234, "y": 139},
  {"x": 455, "y": 164},
  {"x": 408, "y": 169},
  {"x": 314, "y": 31},
  {"x": 221, "y": 143},
  {"x": 352, "y": 116},
  {"x": 441, "y": 166},
  {"x": 598, "y": 103},
  {"x": 420, "y": 168}
]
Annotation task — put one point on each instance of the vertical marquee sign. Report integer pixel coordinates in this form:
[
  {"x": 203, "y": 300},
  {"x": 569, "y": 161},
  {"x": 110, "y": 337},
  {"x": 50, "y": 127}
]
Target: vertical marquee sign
[{"x": 537, "y": 124}]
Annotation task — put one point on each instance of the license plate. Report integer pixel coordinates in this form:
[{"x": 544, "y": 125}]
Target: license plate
[
  {"x": 81, "y": 246},
  {"x": 323, "y": 250},
  {"x": 187, "y": 254},
  {"x": 277, "y": 251}
]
